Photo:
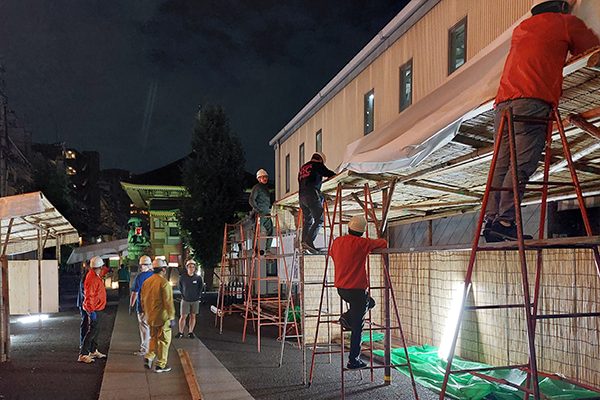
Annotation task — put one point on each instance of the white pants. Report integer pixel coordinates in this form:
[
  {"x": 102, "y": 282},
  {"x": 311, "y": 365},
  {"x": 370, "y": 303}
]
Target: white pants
[{"x": 144, "y": 333}]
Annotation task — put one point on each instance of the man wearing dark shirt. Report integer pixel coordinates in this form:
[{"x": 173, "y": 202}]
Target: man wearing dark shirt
[
  {"x": 260, "y": 201},
  {"x": 190, "y": 286},
  {"x": 310, "y": 178}
]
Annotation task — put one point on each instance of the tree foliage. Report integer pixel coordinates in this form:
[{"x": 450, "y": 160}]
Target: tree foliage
[{"x": 213, "y": 177}]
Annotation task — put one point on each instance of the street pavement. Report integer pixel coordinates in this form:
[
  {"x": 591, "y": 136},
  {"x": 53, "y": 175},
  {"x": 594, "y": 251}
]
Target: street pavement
[{"x": 43, "y": 358}]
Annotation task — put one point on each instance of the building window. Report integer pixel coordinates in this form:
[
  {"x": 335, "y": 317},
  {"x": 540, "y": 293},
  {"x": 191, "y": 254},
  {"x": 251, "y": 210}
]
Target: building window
[
  {"x": 300, "y": 155},
  {"x": 173, "y": 231},
  {"x": 369, "y": 111},
  {"x": 70, "y": 155},
  {"x": 287, "y": 173},
  {"x": 71, "y": 171},
  {"x": 319, "y": 140},
  {"x": 457, "y": 46},
  {"x": 158, "y": 224},
  {"x": 406, "y": 85}
]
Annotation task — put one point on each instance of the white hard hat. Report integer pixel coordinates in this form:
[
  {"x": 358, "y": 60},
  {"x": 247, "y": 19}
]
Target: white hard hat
[
  {"x": 318, "y": 154},
  {"x": 261, "y": 172},
  {"x": 96, "y": 262},
  {"x": 191, "y": 262},
  {"x": 358, "y": 223},
  {"x": 145, "y": 260},
  {"x": 159, "y": 263}
]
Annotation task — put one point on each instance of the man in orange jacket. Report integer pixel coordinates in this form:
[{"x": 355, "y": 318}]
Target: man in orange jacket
[
  {"x": 349, "y": 254},
  {"x": 531, "y": 84},
  {"x": 94, "y": 303}
]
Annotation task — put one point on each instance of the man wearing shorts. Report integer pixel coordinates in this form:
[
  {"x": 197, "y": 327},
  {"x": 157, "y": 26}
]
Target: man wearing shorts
[{"x": 190, "y": 286}]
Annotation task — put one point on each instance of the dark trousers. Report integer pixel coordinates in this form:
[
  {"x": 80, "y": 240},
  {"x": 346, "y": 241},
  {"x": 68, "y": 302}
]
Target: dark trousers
[
  {"x": 311, "y": 204},
  {"x": 90, "y": 341},
  {"x": 83, "y": 327},
  {"x": 266, "y": 225},
  {"x": 360, "y": 302},
  {"x": 530, "y": 139},
  {"x": 123, "y": 288}
]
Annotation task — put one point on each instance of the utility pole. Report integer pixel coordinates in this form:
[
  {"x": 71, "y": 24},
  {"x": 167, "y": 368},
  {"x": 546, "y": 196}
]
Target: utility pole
[{"x": 3, "y": 137}]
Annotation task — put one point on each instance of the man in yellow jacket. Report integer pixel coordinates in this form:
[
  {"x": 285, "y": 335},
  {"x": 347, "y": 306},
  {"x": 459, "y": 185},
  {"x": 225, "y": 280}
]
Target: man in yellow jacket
[{"x": 157, "y": 303}]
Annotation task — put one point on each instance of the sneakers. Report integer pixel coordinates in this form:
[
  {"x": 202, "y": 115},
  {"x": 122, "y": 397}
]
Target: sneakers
[
  {"x": 97, "y": 354},
  {"x": 191, "y": 335},
  {"x": 83, "y": 358},
  {"x": 139, "y": 353},
  {"x": 159, "y": 370},
  {"x": 344, "y": 322},
  {"x": 148, "y": 363},
  {"x": 358, "y": 364},
  {"x": 310, "y": 248},
  {"x": 179, "y": 335},
  {"x": 497, "y": 232}
]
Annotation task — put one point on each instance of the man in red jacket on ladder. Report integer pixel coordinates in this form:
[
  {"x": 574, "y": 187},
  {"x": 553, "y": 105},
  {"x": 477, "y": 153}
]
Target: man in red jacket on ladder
[
  {"x": 349, "y": 254},
  {"x": 531, "y": 84}
]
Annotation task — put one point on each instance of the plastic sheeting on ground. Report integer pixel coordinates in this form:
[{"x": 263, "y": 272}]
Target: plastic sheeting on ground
[{"x": 429, "y": 371}]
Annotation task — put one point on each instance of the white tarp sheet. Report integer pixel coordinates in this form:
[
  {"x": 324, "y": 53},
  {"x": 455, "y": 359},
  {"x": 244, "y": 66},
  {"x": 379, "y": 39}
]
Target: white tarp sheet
[
  {"x": 84, "y": 253},
  {"x": 434, "y": 120}
]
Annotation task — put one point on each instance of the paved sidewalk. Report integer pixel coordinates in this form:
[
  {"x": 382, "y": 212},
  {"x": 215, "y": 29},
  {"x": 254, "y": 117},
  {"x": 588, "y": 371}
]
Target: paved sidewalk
[{"x": 126, "y": 378}]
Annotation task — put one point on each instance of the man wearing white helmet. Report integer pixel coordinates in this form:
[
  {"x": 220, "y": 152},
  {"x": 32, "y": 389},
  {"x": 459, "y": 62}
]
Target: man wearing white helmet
[
  {"x": 190, "y": 286},
  {"x": 135, "y": 303},
  {"x": 94, "y": 303},
  {"x": 260, "y": 201},
  {"x": 531, "y": 85},
  {"x": 159, "y": 312},
  {"x": 310, "y": 178},
  {"x": 349, "y": 254}
]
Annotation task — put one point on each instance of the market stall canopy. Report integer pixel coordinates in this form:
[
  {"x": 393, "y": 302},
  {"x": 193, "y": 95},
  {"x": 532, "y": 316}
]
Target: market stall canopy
[
  {"x": 435, "y": 120},
  {"x": 32, "y": 214},
  {"x": 104, "y": 249}
]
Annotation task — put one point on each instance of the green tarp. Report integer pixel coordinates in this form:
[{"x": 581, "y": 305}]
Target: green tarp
[{"x": 429, "y": 371}]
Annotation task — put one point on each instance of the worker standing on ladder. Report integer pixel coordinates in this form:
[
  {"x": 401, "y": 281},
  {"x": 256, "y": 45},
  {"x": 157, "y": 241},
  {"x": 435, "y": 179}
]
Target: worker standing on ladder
[
  {"x": 260, "y": 201},
  {"x": 310, "y": 178},
  {"x": 531, "y": 85},
  {"x": 349, "y": 254}
]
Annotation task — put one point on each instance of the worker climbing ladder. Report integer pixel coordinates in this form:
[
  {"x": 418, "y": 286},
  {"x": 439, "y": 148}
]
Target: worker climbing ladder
[
  {"x": 264, "y": 303},
  {"x": 530, "y": 303},
  {"x": 232, "y": 274},
  {"x": 329, "y": 317}
]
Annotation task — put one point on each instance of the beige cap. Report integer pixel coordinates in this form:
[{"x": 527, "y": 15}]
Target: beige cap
[
  {"x": 358, "y": 223},
  {"x": 318, "y": 154}
]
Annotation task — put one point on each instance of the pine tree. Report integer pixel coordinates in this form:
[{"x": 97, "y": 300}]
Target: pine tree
[{"x": 213, "y": 177}]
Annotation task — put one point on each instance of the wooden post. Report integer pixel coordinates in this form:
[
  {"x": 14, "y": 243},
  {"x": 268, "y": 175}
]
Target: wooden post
[
  {"x": 4, "y": 312},
  {"x": 40, "y": 251}
]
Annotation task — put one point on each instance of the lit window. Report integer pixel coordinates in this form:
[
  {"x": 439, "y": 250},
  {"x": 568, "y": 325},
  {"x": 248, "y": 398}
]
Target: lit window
[
  {"x": 287, "y": 173},
  {"x": 301, "y": 155},
  {"x": 319, "y": 140},
  {"x": 406, "y": 85},
  {"x": 71, "y": 171},
  {"x": 70, "y": 155},
  {"x": 369, "y": 112},
  {"x": 457, "y": 46}
]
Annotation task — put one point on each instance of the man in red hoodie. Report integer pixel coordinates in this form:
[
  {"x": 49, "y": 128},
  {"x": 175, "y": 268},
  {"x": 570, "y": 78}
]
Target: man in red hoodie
[
  {"x": 349, "y": 254},
  {"x": 94, "y": 303},
  {"x": 531, "y": 84}
]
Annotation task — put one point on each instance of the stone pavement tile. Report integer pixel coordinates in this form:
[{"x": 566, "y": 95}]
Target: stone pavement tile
[{"x": 120, "y": 394}]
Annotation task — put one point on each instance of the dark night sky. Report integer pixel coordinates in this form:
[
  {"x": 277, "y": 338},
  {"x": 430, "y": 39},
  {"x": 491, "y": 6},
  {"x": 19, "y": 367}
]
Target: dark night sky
[{"x": 126, "y": 77}]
